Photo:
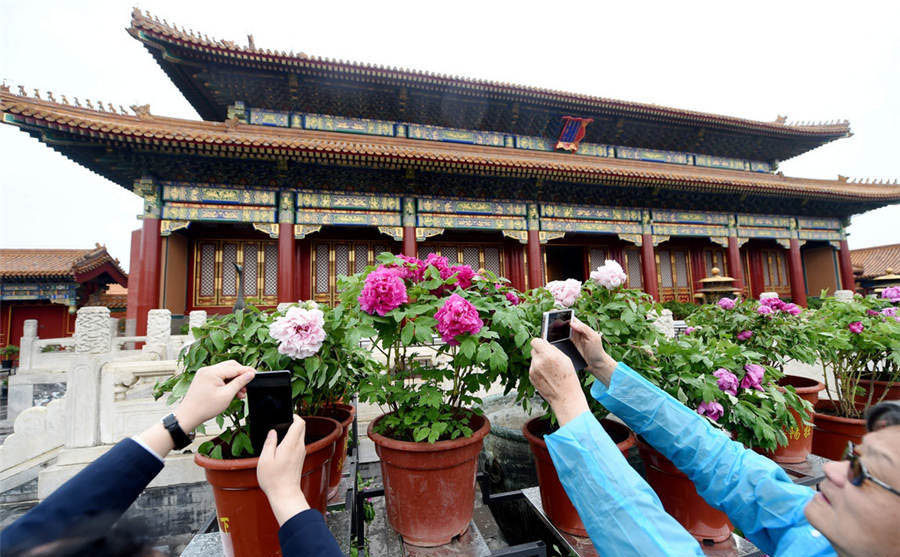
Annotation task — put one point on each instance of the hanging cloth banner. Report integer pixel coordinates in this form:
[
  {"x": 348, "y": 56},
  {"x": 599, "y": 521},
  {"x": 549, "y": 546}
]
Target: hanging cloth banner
[{"x": 572, "y": 132}]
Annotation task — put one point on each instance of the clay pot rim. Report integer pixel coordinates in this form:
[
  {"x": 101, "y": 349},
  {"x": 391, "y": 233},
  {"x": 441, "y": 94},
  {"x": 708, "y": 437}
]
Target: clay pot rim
[
  {"x": 808, "y": 390},
  {"x": 247, "y": 463},
  {"x": 838, "y": 419},
  {"x": 629, "y": 441},
  {"x": 349, "y": 408},
  {"x": 425, "y": 447}
]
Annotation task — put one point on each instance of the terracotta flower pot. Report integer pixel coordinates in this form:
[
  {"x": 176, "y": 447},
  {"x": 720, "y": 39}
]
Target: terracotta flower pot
[
  {"x": 680, "y": 499},
  {"x": 246, "y": 522},
  {"x": 833, "y": 432},
  {"x": 800, "y": 438},
  {"x": 556, "y": 503},
  {"x": 429, "y": 488},
  {"x": 877, "y": 388},
  {"x": 344, "y": 414}
]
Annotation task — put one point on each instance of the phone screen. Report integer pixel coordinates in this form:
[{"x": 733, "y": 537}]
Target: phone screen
[
  {"x": 559, "y": 325},
  {"x": 269, "y": 398}
]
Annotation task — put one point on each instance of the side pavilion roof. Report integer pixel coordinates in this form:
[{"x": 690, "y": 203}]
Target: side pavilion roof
[
  {"x": 79, "y": 265},
  {"x": 93, "y": 139}
]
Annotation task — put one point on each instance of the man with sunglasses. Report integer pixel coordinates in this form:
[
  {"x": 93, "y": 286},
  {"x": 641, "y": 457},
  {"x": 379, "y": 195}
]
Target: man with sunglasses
[{"x": 857, "y": 511}]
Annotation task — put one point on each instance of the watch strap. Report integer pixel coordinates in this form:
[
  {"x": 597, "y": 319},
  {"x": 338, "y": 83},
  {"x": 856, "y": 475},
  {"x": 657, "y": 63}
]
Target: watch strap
[{"x": 180, "y": 438}]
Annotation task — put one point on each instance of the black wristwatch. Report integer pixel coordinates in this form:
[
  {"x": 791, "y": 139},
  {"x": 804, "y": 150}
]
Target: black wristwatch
[{"x": 181, "y": 438}]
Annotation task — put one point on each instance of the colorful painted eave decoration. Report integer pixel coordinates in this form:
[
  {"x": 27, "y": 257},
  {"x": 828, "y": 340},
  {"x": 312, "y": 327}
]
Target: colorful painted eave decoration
[{"x": 572, "y": 133}]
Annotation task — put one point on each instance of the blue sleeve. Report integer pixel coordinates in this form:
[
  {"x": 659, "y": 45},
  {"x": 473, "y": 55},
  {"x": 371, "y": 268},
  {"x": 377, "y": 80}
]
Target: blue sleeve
[
  {"x": 89, "y": 503},
  {"x": 306, "y": 535},
  {"x": 622, "y": 515},
  {"x": 755, "y": 493}
]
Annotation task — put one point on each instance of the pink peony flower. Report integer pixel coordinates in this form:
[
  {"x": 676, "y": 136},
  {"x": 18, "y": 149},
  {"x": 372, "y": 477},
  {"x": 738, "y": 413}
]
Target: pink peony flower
[
  {"x": 383, "y": 291},
  {"x": 565, "y": 292},
  {"x": 765, "y": 310},
  {"x": 610, "y": 275},
  {"x": 726, "y": 303},
  {"x": 726, "y": 380},
  {"x": 464, "y": 275},
  {"x": 890, "y": 312},
  {"x": 712, "y": 410},
  {"x": 689, "y": 330},
  {"x": 300, "y": 332},
  {"x": 753, "y": 377},
  {"x": 415, "y": 267},
  {"x": 440, "y": 263},
  {"x": 891, "y": 293},
  {"x": 513, "y": 299},
  {"x": 744, "y": 335},
  {"x": 793, "y": 309},
  {"x": 871, "y": 312},
  {"x": 456, "y": 317},
  {"x": 774, "y": 302},
  {"x": 856, "y": 327}
]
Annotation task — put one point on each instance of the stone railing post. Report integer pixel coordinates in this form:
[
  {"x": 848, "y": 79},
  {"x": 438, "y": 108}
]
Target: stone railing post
[
  {"x": 196, "y": 318},
  {"x": 27, "y": 344},
  {"x": 159, "y": 329},
  {"x": 844, "y": 295},
  {"x": 113, "y": 327},
  {"x": 765, "y": 295},
  {"x": 92, "y": 340}
]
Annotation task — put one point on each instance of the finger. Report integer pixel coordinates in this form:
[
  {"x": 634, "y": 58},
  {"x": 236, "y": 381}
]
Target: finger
[
  {"x": 295, "y": 433},
  {"x": 268, "y": 448},
  {"x": 234, "y": 369},
  {"x": 539, "y": 345},
  {"x": 239, "y": 382}
]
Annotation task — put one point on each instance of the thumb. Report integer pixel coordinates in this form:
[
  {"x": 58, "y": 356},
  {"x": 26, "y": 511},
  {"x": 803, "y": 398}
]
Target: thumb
[
  {"x": 239, "y": 382},
  {"x": 268, "y": 448}
]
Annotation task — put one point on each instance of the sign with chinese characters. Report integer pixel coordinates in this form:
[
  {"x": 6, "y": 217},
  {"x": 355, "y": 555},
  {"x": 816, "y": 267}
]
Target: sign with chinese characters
[{"x": 572, "y": 132}]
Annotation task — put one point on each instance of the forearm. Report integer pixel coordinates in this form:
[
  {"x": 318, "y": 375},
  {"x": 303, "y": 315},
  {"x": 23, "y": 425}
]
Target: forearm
[{"x": 621, "y": 513}]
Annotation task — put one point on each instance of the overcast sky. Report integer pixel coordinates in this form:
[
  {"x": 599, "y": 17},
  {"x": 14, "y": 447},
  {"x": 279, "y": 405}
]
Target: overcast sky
[{"x": 808, "y": 60}]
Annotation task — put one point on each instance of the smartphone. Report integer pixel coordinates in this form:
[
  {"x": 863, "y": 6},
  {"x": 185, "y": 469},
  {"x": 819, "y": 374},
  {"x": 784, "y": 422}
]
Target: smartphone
[
  {"x": 557, "y": 330},
  {"x": 269, "y": 398}
]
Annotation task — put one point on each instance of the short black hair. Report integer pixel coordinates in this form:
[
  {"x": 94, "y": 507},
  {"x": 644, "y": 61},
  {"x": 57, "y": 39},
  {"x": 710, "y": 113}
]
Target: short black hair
[{"x": 882, "y": 415}]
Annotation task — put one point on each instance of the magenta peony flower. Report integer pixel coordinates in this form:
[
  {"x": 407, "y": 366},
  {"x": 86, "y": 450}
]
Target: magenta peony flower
[
  {"x": 513, "y": 299},
  {"x": 689, "y": 330},
  {"x": 891, "y": 293},
  {"x": 383, "y": 291},
  {"x": 440, "y": 263},
  {"x": 415, "y": 267},
  {"x": 457, "y": 316},
  {"x": 856, "y": 327},
  {"x": 300, "y": 332},
  {"x": 565, "y": 292},
  {"x": 744, "y": 335},
  {"x": 726, "y": 380},
  {"x": 774, "y": 302},
  {"x": 726, "y": 303},
  {"x": 753, "y": 377},
  {"x": 871, "y": 312},
  {"x": 890, "y": 312},
  {"x": 610, "y": 275},
  {"x": 765, "y": 310},
  {"x": 712, "y": 410},
  {"x": 793, "y": 309},
  {"x": 464, "y": 275}
]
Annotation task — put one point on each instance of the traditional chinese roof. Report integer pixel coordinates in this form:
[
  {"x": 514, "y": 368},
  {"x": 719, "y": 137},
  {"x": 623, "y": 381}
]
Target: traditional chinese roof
[
  {"x": 875, "y": 261},
  {"x": 78, "y": 265},
  {"x": 125, "y": 148},
  {"x": 213, "y": 74},
  {"x": 115, "y": 296}
]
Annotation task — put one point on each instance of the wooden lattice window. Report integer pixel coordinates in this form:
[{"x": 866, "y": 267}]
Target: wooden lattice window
[
  {"x": 633, "y": 268},
  {"x": 215, "y": 278},
  {"x": 474, "y": 255},
  {"x": 673, "y": 268},
  {"x": 713, "y": 257},
  {"x": 775, "y": 271},
  {"x": 336, "y": 258}
]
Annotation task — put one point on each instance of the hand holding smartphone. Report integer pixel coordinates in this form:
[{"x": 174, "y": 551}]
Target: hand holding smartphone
[
  {"x": 269, "y": 398},
  {"x": 557, "y": 330}
]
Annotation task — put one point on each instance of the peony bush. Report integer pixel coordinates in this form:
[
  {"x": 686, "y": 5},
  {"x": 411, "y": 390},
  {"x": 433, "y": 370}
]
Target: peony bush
[{"x": 405, "y": 303}]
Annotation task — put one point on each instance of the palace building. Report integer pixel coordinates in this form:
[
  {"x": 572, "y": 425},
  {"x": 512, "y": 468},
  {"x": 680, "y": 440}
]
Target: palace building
[{"x": 304, "y": 168}]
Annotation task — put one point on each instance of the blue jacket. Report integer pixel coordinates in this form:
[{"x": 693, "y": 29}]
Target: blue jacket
[
  {"x": 93, "y": 500},
  {"x": 623, "y": 516}
]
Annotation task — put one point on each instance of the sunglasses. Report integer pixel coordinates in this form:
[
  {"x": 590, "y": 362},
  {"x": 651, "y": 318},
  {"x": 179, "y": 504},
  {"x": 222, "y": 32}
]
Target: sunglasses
[{"x": 857, "y": 473}]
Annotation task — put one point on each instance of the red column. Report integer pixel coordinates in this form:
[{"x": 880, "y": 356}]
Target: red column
[
  {"x": 535, "y": 275},
  {"x": 134, "y": 276},
  {"x": 735, "y": 269},
  {"x": 514, "y": 264},
  {"x": 848, "y": 282},
  {"x": 286, "y": 262},
  {"x": 795, "y": 268},
  {"x": 648, "y": 267},
  {"x": 148, "y": 295},
  {"x": 409, "y": 241}
]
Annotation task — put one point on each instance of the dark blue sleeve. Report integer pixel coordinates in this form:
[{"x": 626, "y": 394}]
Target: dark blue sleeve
[
  {"x": 306, "y": 535},
  {"x": 89, "y": 503}
]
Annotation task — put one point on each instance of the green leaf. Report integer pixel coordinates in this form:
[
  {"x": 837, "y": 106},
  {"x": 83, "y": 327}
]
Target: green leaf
[
  {"x": 420, "y": 433},
  {"x": 311, "y": 364},
  {"x": 218, "y": 338},
  {"x": 467, "y": 347},
  {"x": 406, "y": 335},
  {"x": 484, "y": 353},
  {"x": 216, "y": 453}
]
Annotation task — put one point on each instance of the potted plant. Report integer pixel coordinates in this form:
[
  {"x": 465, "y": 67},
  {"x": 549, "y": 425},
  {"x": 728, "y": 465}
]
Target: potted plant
[
  {"x": 428, "y": 439},
  {"x": 724, "y": 381},
  {"x": 622, "y": 315},
  {"x": 859, "y": 347},
  {"x": 779, "y": 332},
  {"x": 7, "y": 355},
  {"x": 315, "y": 346}
]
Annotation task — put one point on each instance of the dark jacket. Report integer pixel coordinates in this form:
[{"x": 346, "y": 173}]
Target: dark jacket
[{"x": 89, "y": 504}]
